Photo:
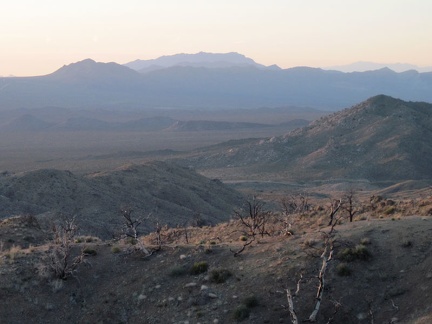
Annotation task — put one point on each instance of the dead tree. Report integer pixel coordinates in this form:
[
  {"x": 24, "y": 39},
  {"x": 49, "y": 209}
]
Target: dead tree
[
  {"x": 293, "y": 207},
  {"x": 349, "y": 205},
  {"x": 326, "y": 256},
  {"x": 295, "y": 204},
  {"x": 253, "y": 217},
  {"x": 130, "y": 229},
  {"x": 335, "y": 205},
  {"x": 60, "y": 260}
]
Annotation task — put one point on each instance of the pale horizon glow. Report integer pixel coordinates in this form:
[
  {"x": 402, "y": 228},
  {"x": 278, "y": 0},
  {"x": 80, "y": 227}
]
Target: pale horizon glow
[{"x": 39, "y": 37}]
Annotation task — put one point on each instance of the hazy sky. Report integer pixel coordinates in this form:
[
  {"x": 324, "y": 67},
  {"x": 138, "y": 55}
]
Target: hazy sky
[{"x": 39, "y": 36}]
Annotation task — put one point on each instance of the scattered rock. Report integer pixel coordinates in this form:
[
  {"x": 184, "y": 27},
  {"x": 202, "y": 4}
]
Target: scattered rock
[{"x": 190, "y": 284}]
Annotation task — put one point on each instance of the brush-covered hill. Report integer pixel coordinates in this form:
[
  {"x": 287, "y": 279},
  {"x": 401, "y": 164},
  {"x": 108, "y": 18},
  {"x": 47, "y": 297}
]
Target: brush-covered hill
[
  {"x": 380, "y": 139},
  {"x": 157, "y": 191}
]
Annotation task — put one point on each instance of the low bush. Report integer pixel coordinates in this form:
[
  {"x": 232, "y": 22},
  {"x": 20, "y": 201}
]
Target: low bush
[
  {"x": 343, "y": 270},
  {"x": 89, "y": 251},
  {"x": 241, "y": 313},
  {"x": 220, "y": 275},
  {"x": 251, "y": 301},
  {"x": 359, "y": 252},
  {"x": 115, "y": 249},
  {"x": 177, "y": 271},
  {"x": 199, "y": 267}
]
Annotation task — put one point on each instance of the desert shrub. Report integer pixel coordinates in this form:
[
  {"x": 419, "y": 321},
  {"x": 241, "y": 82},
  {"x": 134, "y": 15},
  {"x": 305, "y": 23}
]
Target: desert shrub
[
  {"x": 251, "y": 301},
  {"x": 365, "y": 241},
  {"x": 243, "y": 238},
  {"x": 220, "y": 275},
  {"x": 89, "y": 251},
  {"x": 131, "y": 240},
  {"x": 390, "y": 210},
  {"x": 61, "y": 261},
  {"x": 241, "y": 313},
  {"x": 343, "y": 270},
  {"x": 13, "y": 252},
  {"x": 115, "y": 249},
  {"x": 177, "y": 271},
  {"x": 359, "y": 252},
  {"x": 310, "y": 243},
  {"x": 199, "y": 267},
  {"x": 406, "y": 243}
]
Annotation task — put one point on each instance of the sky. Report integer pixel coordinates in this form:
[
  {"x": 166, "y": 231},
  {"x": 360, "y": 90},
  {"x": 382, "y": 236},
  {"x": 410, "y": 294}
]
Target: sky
[{"x": 39, "y": 36}]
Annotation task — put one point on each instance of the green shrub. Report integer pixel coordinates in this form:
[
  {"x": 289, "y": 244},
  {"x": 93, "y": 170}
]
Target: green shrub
[
  {"x": 359, "y": 252},
  {"x": 365, "y": 241},
  {"x": 390, "y": 210},
  {"x": 115, "y": 249},
  {"x": 220, "y": 275},
  {"x": 343, "y": 270},
  {"x": 199, "y": 267},
  {"x": 243, "y": 238},
  {"x": 89, "y": 251},
  {"x": 251, "y": 301},
  {"x": 177, "y": 271},
  {"x": 131, "y": 241},
  {"x": 406, "y": 243},
  {"x": 241, "y": 313}
]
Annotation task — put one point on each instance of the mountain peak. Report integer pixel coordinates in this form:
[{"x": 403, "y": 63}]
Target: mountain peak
[
  {"x": 201, "y": 59},
  {"x": 379, "y": 139},
  {"x": 89, "y": 69}
]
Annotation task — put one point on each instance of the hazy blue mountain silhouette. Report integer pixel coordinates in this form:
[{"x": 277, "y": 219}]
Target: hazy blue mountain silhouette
[
  {"x": 202, "y": 59},
  {"x": 88, "y": 84}
]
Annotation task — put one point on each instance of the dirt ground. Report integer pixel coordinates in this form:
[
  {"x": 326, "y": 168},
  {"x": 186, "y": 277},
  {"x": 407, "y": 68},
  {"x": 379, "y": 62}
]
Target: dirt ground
[{"x": 390, "y": 283}]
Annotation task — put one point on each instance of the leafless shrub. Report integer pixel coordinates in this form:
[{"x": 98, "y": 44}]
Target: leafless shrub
[
  {"x": 350, "y": 204},
  {"x": 130, "y": 230},
  {"x": 253, "y": 217},
  {"x": 60, "y": 260},
  {"x": 335, "y": 205}
]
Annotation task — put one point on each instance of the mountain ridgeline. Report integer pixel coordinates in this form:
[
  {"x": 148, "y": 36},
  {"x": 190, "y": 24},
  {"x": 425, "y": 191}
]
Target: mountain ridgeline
[
  {"x": 156, "y": 192},
  {"x": 380, "y": 139},
  {"x": 223, "y": 81}
]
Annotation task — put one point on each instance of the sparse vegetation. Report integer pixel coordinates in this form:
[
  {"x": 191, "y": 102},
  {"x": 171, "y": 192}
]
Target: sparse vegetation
[
  {"x": 406, "y": 243},
  {"x": 89, "y": 251},
  {"x": 241, "y": 313},
  {"x": 178, "y": 271},
  {"x": 115, "y": 249},
  {"x": 253, "y": 217},
  {"x": 359, "y": 252},
  {"x": 251, "y": 301},
  {"x": 199, "y": 267},
  {"x": 60, "y": 260},
  {"x": 220, "y": 275},
  {"x": 342, "y": 269}
]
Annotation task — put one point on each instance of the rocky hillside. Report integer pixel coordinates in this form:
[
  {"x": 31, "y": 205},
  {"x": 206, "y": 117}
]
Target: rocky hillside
[
  {"x": 157, "y": 191},
  {"x": 380, "y": 139}
]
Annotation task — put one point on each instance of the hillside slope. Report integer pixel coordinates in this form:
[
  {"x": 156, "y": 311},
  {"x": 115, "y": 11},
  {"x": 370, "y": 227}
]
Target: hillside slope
[
  {"x": 380, "y": 139},
  {"x": 158, "y": 191},
  {"x": 391, "y": 283}
]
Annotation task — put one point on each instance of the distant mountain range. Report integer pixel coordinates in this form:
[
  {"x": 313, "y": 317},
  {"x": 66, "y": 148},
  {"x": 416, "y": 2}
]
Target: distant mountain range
[
  {"x": 370, "y": 66},
  {"x": 380, "y": 139},
  {"x": 206, "y": 81},
  {"x": 203, "y": 60}
]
